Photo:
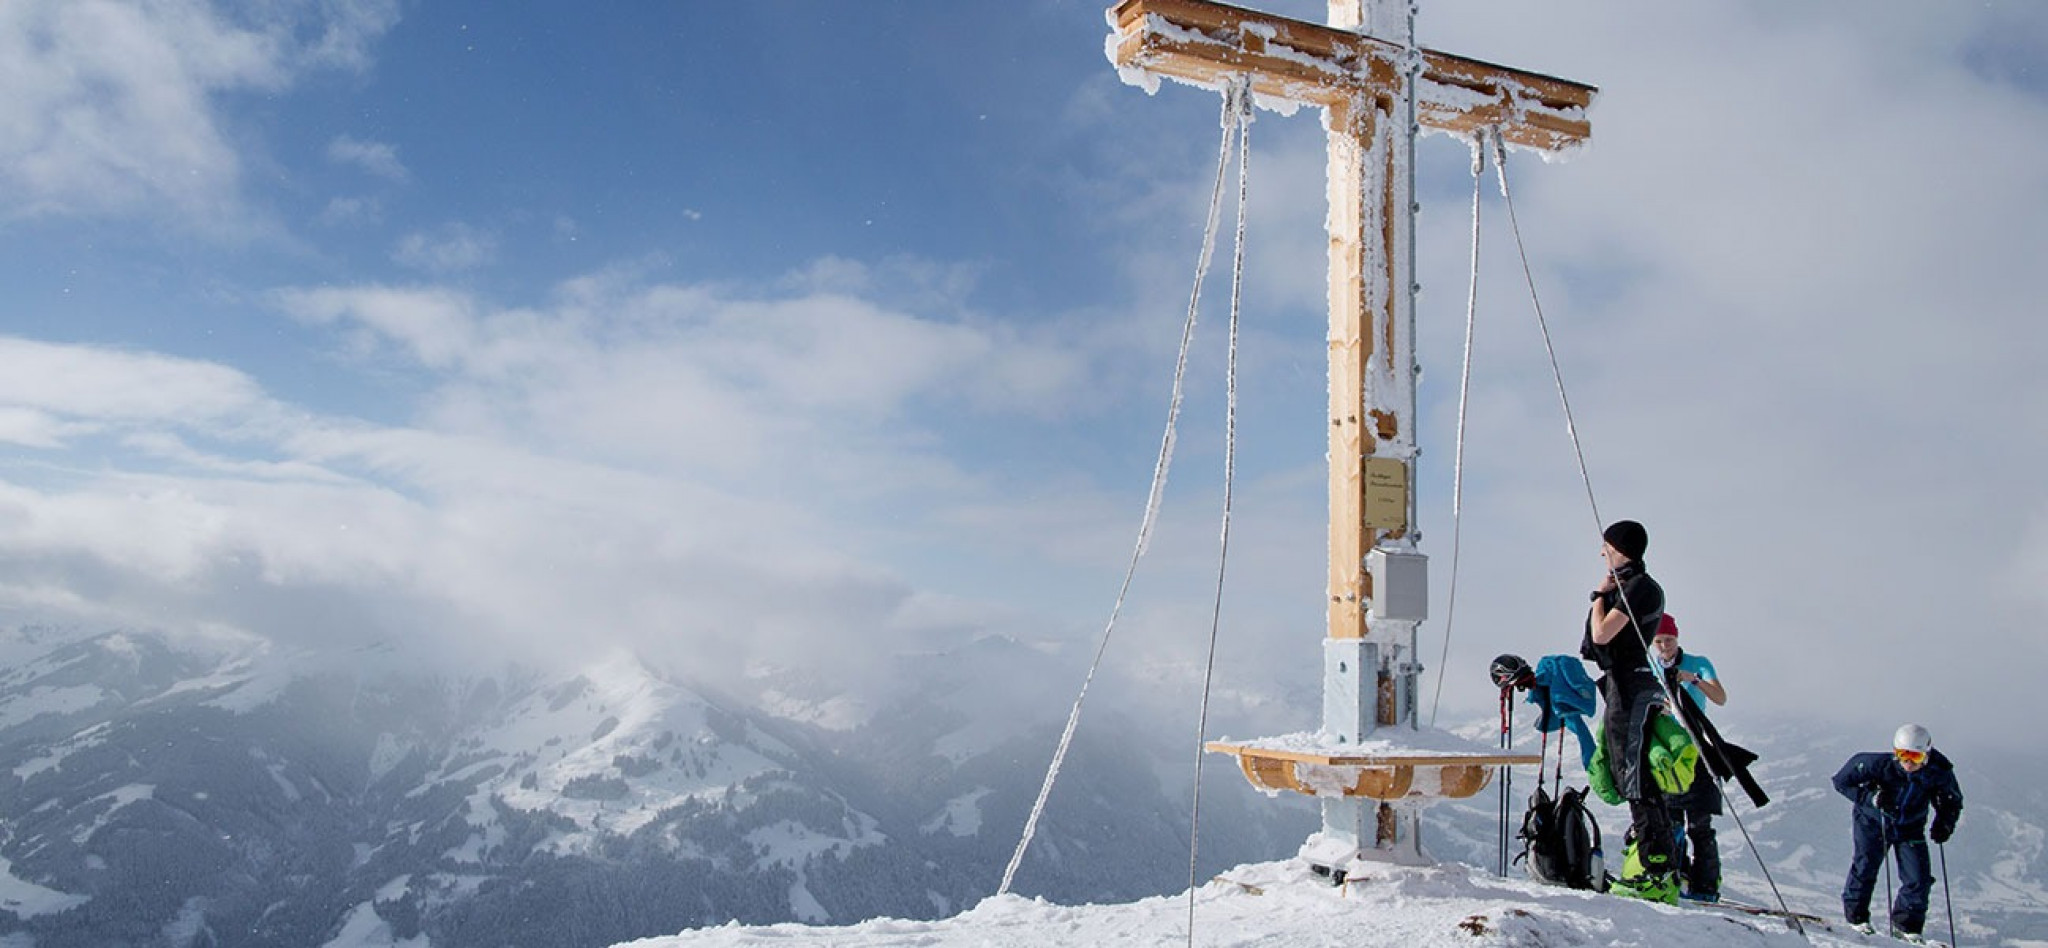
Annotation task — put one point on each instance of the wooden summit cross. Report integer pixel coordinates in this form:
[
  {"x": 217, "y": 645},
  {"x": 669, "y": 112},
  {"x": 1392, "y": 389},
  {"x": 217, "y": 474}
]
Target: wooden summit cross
[{"x": 1359, "y": 71}]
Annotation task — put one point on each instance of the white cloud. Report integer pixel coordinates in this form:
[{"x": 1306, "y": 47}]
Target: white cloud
[
  {"x": 89, "y": 386},
  {"x": 684, "y": 469},
  {"x": 377, "y": 158},
  {"x": 347, "y": 29},
  {"x": 451, "y": 248},
  {"x": 437, "y": 327},
  {"x": 663, "y": 370},
  {"x": 351, "y": 210},
  {"x": 111, "y": 108},
  {"x": 35, "y": 429}
]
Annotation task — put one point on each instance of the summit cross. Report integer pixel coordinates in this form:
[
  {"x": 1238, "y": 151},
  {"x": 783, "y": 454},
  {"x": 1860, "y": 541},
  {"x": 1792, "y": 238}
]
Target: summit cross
[{"x": 1377, "y": 89}]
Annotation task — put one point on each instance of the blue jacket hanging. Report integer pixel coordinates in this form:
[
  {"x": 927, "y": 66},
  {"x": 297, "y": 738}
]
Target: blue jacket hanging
[{"x": 1564, "y": 695}]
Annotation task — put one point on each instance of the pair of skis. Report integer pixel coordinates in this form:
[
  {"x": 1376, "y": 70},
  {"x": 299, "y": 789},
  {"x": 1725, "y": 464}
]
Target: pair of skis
[{"x": 1797, "y": 920}]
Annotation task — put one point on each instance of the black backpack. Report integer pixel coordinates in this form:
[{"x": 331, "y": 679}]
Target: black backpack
[{"x": 1562, "y": 843}]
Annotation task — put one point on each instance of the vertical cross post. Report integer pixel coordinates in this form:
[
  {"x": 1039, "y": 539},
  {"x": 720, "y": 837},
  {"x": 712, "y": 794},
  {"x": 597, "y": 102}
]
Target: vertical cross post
[{"x": 1369, "y": 669}]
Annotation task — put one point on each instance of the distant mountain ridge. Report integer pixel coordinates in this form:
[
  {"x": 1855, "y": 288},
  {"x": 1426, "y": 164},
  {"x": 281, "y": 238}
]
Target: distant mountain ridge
[{"x": 157, "y": 793}]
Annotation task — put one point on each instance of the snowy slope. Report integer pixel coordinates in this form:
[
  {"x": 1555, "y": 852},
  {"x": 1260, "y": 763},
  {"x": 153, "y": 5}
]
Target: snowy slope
[{"x": 1283, "y": 904}]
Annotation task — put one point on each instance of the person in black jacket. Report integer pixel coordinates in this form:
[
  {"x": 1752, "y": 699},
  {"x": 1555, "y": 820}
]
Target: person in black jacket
[
  {"x": 1626, "y": 609},
  {"x": 1893, "y": 794}
]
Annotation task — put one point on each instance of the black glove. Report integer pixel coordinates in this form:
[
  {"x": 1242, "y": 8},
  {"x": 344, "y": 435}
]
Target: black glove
[
  {"x": 1941, "y": 834},
  {"x": 1883, "y": 798}
]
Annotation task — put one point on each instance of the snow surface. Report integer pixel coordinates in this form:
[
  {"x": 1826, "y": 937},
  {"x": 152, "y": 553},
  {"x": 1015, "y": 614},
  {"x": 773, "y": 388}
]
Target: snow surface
[
  {"x": 1387, "y": 742},
  {"x": 364, "y": 929},
  {"x": 961, "y": 815},
  {"x": 38, "y": 702},
  {"x": 25, "y": 898},
  {"x": 1284, "y": 904},
  {"x": 618, "y": 710},
  {"x": 58, "y": 751},
  {"x": 114, "y": 800},
  {"x": 838, "y": 713}
]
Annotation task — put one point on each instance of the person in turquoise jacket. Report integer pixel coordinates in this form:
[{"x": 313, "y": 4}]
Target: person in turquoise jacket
[{"x": 1693, "y": 812}]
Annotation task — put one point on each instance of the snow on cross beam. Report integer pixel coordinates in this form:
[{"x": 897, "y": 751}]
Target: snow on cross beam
[
  {"x": 1295, "y": 62},
  {"x": 1379, "y": 772}
]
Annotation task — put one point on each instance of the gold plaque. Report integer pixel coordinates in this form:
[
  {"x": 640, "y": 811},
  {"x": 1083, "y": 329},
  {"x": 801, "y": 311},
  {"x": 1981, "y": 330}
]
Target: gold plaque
[{"x": 1386, "y": 493}]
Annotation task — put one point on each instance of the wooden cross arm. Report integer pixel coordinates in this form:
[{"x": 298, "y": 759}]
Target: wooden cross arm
[
  {"x": 1396, "y": 776},
  {"x": 1394, "y": 758},
  {"x": 1459, "y": 94},
  {"x": 1205, "y": 43}
]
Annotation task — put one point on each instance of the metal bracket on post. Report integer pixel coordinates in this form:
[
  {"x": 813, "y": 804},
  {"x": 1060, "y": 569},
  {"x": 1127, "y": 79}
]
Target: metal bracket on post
[
  {"x": 1351, "y": 670},
  {"x": 1350, "y": 689}
]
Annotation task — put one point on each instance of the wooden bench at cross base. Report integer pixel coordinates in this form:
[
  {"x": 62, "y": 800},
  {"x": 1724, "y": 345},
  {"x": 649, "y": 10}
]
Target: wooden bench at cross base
[{"x": 1378, "y": 776}]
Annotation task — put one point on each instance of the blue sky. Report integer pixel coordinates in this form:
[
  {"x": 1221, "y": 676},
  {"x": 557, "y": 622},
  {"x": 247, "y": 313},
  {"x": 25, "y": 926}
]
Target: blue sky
[{"x": 794, "y": 332}]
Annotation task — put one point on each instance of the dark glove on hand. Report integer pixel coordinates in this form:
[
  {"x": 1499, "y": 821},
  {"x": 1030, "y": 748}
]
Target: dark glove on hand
[
  {"x": 1941, "y": 834},
  {"x": 1882, "y": 799}
]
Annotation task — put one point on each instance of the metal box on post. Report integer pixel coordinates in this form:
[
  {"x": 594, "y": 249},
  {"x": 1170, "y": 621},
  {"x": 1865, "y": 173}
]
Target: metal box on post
[{"x": 1400, "y": 585}]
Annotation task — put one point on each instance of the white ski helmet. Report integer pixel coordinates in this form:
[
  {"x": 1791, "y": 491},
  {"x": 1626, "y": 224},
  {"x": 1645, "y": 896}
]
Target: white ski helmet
[{"x": 1913, "y": 737}]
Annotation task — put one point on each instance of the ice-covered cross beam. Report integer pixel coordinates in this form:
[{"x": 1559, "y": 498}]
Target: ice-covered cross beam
[{"x": 1293, "y": 62}]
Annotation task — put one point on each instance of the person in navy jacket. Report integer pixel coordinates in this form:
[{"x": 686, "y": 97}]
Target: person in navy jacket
[{"x": 1894, "y": 794}]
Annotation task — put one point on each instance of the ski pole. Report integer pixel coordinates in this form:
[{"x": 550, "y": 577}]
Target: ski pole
[
  {"x": 1884, "y": 829},
  {"x": 1947, "y": 901},
  {"x": 1506, "y": 777},
  {"x": 1888, "y": 883}
]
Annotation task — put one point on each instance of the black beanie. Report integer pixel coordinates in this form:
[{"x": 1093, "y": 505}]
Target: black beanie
[{"x": 1628, "y": 538}]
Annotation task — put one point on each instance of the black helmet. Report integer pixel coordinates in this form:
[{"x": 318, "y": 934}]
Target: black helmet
[{"x": 1509, "y": 670}]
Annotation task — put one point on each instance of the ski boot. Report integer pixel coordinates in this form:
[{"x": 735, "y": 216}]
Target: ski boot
[
  {"x": 1650, "y": 887},
  {"x": 1863, "y": 928},
  {"x": 1653, "y": 883}
]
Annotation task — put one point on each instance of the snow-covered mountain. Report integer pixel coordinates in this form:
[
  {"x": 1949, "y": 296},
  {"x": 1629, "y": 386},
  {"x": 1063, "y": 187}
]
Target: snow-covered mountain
[{"x": 159, "y": 792}]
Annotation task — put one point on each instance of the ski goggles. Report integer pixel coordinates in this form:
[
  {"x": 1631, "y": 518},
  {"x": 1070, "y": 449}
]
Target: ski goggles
[{"x": 1910, "y": 756}]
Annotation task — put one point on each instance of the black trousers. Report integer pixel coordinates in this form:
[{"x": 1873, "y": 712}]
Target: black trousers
[
  {"x": 1656, "y": 842},
  {"x": 1633, "y": 705},
  {"x": 1699, "y": 852},
  {"x": 1916, "y": 877}
]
